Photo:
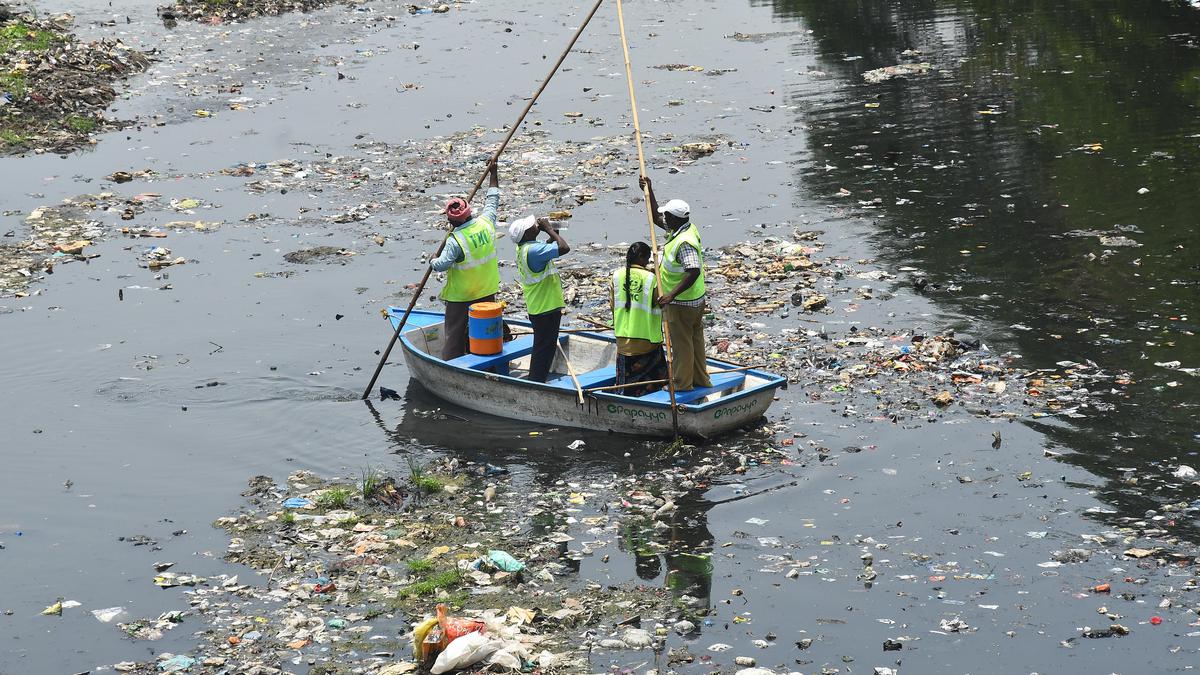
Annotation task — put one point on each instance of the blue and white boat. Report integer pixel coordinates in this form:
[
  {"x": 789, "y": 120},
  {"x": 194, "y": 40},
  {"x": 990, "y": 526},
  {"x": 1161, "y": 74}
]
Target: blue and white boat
[{"x": 494, "y": 385}]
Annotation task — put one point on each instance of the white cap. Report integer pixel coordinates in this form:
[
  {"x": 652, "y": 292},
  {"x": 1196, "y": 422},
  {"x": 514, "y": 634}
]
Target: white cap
[
  {"x": 677, "y": 208},
  {"x": 520, "y": 226}
]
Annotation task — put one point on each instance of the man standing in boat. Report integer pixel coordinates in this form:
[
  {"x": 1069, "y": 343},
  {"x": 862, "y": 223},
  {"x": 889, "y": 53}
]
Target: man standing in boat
[
  {"x": 541, "y": 287},
  {"x": 470, "y": 263},
  {"x": 682, "y": 275}
]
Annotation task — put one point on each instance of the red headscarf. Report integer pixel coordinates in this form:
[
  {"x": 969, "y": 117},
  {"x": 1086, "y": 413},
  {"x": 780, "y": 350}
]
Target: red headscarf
[{"x": 458, "y": 211}]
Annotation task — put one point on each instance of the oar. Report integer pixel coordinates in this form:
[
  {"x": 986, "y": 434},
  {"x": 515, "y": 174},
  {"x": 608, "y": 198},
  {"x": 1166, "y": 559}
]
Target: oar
[
  {"x": 495, "y": 157},
  {"x": 613, "y": 387},
  {"x": 637, "y": 134},
  {"x": 571, "y": 371}
]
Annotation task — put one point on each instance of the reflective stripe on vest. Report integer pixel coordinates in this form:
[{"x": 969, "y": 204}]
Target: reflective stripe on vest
[
  {"x": 643, "y": 319},
  {"x": 477, "y": 275},
  {"x": 673, "y": 272},
  {"x": 543, "y": 290}
]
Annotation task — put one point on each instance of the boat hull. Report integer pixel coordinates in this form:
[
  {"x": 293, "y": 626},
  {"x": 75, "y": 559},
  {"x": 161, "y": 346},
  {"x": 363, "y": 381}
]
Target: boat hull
[
  {"x": 519, "y": 399},
  {"x": 500, "y": 396}
]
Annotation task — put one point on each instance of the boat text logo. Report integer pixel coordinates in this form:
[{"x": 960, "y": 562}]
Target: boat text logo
[
  {"x": 617, "y": 409},
  {"x": 735, "y": 409}
]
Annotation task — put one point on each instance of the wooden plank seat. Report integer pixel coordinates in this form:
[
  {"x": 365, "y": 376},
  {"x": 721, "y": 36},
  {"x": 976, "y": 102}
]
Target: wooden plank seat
[
  {"x": 720, "y": 381},
  {"x": 515, "y": 349},
  {"x": 601, "y": 377}
]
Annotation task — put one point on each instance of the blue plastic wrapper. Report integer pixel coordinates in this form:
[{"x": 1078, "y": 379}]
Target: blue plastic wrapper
[
  {"x": 177, "y": 664},
  {"x": 296, "y": 503}
]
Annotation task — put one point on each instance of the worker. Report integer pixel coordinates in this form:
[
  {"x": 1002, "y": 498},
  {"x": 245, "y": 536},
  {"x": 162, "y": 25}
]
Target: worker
[
  {"x": 469, "y": 261},
  {"x": 541, "y": 287},
  {"x": 682, "y": 275},
  {"x": 637, "y": 322}
]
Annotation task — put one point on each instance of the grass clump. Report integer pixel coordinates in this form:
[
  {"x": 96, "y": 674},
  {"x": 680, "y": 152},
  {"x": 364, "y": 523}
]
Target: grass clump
[
  {"x": 371, "y": 481},
  {"x": 10, "y": 137},
  {"x": 433, "y": 583},
  {"x": 420, "y": 567},
  {"x": 288, "y": 518},
  {"x": 21, "y": 36},
  {"x": 84, "y": 125},
  {"x": 422, "y": 481},
  {"x": 334, "y": 498},
  {"x": 15, "y": 84}
]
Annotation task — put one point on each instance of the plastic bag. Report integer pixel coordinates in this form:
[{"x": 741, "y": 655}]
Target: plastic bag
[
  {"x": 462, "y": 652},
  {"x": 420, "y": 652},
  {"x": 512, "y": 657},
  {"x": 456, "y": 627},
  {"x": 504, "y": 561}
]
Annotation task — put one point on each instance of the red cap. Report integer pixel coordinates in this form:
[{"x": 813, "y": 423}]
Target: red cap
[{"x": 458, "y": 211}]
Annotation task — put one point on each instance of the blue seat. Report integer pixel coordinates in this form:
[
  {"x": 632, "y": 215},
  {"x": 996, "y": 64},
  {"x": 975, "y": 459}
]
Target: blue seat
[
  {"x": 721, "y": 382},
  {"x": 593, "y": 378},
  {"x": 522, "y": 346}
]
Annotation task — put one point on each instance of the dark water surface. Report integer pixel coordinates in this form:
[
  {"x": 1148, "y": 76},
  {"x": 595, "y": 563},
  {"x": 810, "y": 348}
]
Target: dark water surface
[{"x": 998, "y": 213}]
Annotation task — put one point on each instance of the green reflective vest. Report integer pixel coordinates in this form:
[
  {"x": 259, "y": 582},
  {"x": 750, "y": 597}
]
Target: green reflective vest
[
  {"x": 673, "y": 273},
  {"x": 477, "y": 275},
  {"x": 543, "y": 290},
  {"x": 643, "y": 319}
]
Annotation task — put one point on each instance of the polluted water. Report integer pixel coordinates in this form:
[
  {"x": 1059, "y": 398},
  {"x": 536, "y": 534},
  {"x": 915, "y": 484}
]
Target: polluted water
[{"x": 975, "y": 267}]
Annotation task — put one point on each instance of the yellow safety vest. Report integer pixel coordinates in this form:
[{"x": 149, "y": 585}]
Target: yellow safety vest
[
  {"x": 643, "y": 319},
  {"x": 672, "y": 272},
  {"x": 477, "y": 275},
  {"x": 543, "y": 290}
]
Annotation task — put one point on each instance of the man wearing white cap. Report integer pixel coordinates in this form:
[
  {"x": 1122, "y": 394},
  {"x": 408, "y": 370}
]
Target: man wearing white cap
[
  {"x": 682, "y": 275},
  {"x": 541, "y": 287}
]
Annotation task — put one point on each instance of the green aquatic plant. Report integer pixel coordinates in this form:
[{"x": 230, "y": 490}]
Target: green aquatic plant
[
  {"x": 433, "y": 583},
  {"x": 422, "y": 481},
  {"x": 420, "y": 567},
  {"x": 334, "y": 498},
  {"x": 371, "y": 481},
  {"x": 21, "y": 36},
  {"x": 83, "y": 125}
]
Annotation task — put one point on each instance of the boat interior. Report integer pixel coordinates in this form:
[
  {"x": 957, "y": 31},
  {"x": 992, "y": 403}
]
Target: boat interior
[{"x": 592, "y": 357}]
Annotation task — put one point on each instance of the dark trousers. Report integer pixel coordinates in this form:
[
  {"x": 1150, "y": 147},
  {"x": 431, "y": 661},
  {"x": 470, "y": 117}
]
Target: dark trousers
[
  {"x": 545, "y": 343},
  {"x": 454, "y": 332}
]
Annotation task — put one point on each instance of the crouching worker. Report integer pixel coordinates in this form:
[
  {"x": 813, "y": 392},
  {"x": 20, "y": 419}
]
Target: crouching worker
[
  {"x": 541, "y": 287},
  {"x": 637, "y": 322}
]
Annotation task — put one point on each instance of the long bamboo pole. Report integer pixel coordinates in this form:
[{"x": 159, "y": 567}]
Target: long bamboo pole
[
  {"x": 637, "y": 134},
  {"x": 495, "y": 157},
  {"x": 566, "y": 331},
  {"x": 571, "y": 372}
]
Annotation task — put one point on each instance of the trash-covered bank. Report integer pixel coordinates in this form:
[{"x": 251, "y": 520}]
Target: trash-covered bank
[
  {"x": 54, "y": 88},
  {"x": 362, "y": 574}
]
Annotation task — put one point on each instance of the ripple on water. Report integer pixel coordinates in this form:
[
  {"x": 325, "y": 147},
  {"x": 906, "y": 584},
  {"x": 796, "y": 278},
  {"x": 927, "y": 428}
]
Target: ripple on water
[{"x": 223, "y": 390}]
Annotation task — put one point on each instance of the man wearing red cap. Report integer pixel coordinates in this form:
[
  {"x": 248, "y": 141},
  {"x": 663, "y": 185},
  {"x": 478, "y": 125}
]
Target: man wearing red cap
[{"x": 470, "y": 263}]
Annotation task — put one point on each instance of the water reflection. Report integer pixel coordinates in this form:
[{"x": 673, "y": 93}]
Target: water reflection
[{"x": 1043, "y": 180}]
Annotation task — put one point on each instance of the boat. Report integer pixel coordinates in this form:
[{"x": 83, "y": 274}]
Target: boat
[{"x": 493, "y": 384}]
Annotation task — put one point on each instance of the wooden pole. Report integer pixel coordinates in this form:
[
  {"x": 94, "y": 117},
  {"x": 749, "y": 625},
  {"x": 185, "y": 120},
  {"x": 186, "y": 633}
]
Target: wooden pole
[
  {"x": 566, "y": 331},
  {"x": 614, "y": 387},
  {"x": 637, "y": 134},
  {"x": 496, "y": 156},
  {"x": 571, "y": 371},
  {"x": 599, "y": 324}
]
